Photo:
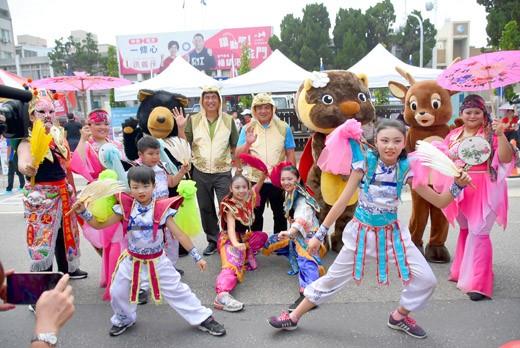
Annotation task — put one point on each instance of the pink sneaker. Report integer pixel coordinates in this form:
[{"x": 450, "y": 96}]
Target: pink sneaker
[
  {"x": 408, "y": 325},
  {"x": 282, "y": 322}
]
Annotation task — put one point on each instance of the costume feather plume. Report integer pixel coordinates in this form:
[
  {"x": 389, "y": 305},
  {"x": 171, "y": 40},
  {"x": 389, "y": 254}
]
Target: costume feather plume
[
  {"x": 98, "y": 189},
  {"x": 432, "y": 157},
  {"x": 180, "y": 149},
  {"x": 188, "y": 215},
  {"x": 254, "y": 162},
  {"x": 40, "y": 141}
]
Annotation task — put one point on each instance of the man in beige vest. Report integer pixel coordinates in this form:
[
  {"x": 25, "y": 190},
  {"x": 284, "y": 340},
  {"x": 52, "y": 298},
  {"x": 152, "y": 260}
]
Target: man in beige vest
[
  {"x": 212, "y": 135},
  {"x": 270, "y": 139}
]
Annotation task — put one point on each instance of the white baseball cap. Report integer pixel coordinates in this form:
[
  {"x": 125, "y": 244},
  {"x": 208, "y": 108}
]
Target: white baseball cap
[{"x": 246, "y": 112}]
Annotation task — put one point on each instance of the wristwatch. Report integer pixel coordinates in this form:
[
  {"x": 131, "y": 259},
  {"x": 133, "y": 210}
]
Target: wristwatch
[{"x": 47, "y": 337}]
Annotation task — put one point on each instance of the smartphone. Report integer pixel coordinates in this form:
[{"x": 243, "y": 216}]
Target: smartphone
[{"x": 26, "y": 288}]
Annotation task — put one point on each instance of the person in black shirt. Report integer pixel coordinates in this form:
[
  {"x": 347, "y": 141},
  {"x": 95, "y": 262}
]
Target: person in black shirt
[
  {"x": 201, "y": 57},
  {"x": 72, "y": 127}
]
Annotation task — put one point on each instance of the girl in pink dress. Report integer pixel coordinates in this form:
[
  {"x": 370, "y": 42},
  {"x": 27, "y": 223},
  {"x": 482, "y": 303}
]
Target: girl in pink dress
[
  {"x": 85, "y": 162},
  {"x": 480, "y": 205}
]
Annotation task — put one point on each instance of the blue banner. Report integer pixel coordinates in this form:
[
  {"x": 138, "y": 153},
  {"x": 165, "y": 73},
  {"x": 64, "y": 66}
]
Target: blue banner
[{"x": 119, "y": 115}]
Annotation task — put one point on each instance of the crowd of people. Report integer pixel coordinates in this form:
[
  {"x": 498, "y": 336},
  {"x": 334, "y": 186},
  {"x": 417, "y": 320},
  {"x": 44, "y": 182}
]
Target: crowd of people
[{"x": 139, "y": 242}]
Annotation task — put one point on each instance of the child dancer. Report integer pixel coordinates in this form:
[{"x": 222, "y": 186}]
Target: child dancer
[
  {"x": 148, "y": 149},
  {"x": 300, "y": 210},
  {"x": 237, "y": 244},
  {"x": 480, "y": 206},
  {"x": 144, "y": 220},
  {"x": 50, "y": 233},
  {"x": 376, "y": 232}
]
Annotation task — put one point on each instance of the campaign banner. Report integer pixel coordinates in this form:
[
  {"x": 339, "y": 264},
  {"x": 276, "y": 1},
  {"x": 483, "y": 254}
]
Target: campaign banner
[{"x": 206, "y": 50}]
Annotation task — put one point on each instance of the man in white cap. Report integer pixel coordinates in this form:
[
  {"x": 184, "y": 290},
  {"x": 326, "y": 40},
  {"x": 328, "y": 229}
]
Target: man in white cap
[
  {"x": 270, "y": 139},
  {"x": 246, "y": 114},
  {"x": 212, "y": 135}
]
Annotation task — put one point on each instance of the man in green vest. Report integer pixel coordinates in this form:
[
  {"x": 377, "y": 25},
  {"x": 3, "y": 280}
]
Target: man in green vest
[
  {"x": 213, "y": 136},
  {"x": 270, "y": 139}
]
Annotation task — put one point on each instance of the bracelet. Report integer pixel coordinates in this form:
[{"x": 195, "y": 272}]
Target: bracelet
[
  {"x": 455, "y": 190},
  {"x": 194, "y": 253},
  {"x": 321, "y": 233},
  {"x": 86, "y": 215}
]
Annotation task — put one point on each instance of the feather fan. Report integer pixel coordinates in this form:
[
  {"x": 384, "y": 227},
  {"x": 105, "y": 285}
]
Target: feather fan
[
  {"x": 432, "y": 157},
  {"x": 253, "y": 162},
  {"x": 40, "y": 141},
  {"x": 180, "y": 149},
  {"x": 98, "y": 189}
]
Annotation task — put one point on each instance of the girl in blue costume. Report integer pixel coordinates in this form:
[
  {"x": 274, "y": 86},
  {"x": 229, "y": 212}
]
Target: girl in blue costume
[
  {"x": 300, "y": 210},
  {"x": 375, "y": 232}
]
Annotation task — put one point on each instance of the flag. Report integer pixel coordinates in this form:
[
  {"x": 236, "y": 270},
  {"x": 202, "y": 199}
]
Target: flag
[{"x": 322, "y": 67}]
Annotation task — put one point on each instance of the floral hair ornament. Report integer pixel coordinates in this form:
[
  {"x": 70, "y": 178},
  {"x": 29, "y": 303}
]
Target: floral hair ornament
[
  {"x": 98, "y": 116},
  {"x": 319, "y": 79}
]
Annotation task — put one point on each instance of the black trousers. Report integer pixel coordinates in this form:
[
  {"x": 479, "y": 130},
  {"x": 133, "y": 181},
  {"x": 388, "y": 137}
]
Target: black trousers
[
  {"x": 13, "y": 168},
  {"x": 59, "y": 254},
  {"x": 209, "y": 185},
  {"x": 275, "y": 197}
]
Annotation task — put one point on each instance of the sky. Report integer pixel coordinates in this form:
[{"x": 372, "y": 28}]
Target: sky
[{"x": 53, "y": 19}]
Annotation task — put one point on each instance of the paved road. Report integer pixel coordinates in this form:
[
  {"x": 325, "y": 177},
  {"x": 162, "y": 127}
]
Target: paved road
[{"x": 355, "y": 318}]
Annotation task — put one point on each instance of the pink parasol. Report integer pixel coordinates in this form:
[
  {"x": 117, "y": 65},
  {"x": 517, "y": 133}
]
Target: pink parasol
[
  {"x": 81, "y": 81},
  {"x": 11, "y": 80},
  {"x": 485, "y": 71}
]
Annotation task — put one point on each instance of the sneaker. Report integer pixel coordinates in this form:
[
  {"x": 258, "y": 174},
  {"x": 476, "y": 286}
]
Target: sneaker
[
  {"x": 210, "y": 249},
  {"x": 282, "y": 322},
  {"x": 407, "y": 325},
  {"x": 78, "y": 274},
  {"x": 212, "y": 327},
  {"x": 225, "y": 302},
  {"x": 142, "y": 297},
  {"x": 7, "y": 192},
  {"x": 118, "y": 330},
  {"x": 181, "y": 272},
  {"x": 296, "y": 303}
]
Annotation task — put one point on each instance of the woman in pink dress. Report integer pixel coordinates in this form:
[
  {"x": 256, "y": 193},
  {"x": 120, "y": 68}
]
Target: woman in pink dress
[
  {"x": 85, "y": 162},
  {"x": 480, "y": 206}
]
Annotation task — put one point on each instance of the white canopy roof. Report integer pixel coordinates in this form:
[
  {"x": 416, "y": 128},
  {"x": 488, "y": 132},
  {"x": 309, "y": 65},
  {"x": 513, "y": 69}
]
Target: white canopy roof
[
  {"x": 275, "y": 74},
  {"x": 379, "y": 65},
  {"x": 179, "y": 77}
]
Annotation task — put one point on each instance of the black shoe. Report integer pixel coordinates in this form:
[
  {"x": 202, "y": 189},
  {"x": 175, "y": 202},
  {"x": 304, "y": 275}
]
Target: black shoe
[
  {"x": 181, "y": 272},
  {"x": 210, "y": 249},
  {"x": 475, "y": 296},
  {"x": 183, "y": 252},
  {"x": 78, "y": 274},
  {"x": 212, "y": 327},
  {"x": 118, "y": 330},
  {"x": 296, "y": 303},
  {"x": 142, "y": 298}
]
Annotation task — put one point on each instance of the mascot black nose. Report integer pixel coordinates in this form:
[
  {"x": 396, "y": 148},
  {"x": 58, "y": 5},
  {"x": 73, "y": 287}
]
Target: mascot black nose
[
  {"x": 422, "y": 112},
  {"x": 161, "y": 119}
]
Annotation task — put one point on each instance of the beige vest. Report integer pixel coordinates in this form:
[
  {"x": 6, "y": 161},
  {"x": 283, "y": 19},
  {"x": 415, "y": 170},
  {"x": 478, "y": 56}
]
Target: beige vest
[
  {"x": 269, "y": 145},
  {"x": 211, "y": 155}
]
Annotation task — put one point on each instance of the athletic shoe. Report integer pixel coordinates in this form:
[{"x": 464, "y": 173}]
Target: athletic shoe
[
  {"x": 408, "y": 325},
  {"x": 142, "y": 297},
  {"x": 476, "y": 296},
  {"x": 181, "y": 272},
  {"x": 225, "y": 302},
  {"x": 296, "y": 303},
  {"x": 78, "y": 274},
  {"x": 212, "y": 327},
  {"x": 210, "y": 249},
  {"x": 282, "y": 322},
  {"x": 118, "y": 330}
]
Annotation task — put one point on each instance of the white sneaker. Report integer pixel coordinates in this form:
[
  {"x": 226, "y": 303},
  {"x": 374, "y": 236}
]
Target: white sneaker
[{"x": 225, "y": 302}]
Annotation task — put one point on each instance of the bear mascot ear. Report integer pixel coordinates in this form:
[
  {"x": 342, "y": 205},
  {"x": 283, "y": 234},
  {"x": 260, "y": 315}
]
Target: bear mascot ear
[
  {"x": 181, "y": 99},
  {"x": 144, "y": 93},
  {"x": 364, "y": 79}
]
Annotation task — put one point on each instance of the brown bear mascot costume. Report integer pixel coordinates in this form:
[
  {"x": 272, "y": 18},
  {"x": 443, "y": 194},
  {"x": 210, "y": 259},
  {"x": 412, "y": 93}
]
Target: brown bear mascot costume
[
  {"x": 324, "y": 102},
  {"x": 427, "y": 111}
]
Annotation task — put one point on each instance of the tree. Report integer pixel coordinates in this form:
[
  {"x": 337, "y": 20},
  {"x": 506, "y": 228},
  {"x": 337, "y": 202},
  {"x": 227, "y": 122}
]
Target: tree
[
  {"x": 315, "y": 41},
  {"x": 112, "y": 69},
  {"x": 72, "y": 55},
  {"x": 380, "y": 19},
  {"x": 245, "y": 66},
  {"x": 408, "y": 39},
  {"x": 290, "y": 41},
  {"x": 510, "y": 40},
  {"x": 500, "y": 12},
  {"x": 349, "y": 37}
]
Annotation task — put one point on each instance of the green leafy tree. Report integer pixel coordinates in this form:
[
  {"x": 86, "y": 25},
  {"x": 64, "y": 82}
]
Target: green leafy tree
[
  {"x": 112, "y": 69},
  {"x": 510, "y": 40},
  {"x": 380, "y": 19},
  {"x": 408, "y": 39},
  {"x": 500, "y": 12},
  {"x": 316, "y": 40},
  {"x": 349, "y": 37},
  {"x": 71, "y": 55},
  {"x": 290, "y": 41},
  {"x": 381, "y": 95},
  {"x": 245, "y": 66}
]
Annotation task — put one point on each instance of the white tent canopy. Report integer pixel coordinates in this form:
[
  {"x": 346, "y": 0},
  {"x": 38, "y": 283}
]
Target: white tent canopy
[
  {"x": 275, "y": 74},
  {"x": 179, "y": 77},
  {"x": 379, "y": 65}
]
